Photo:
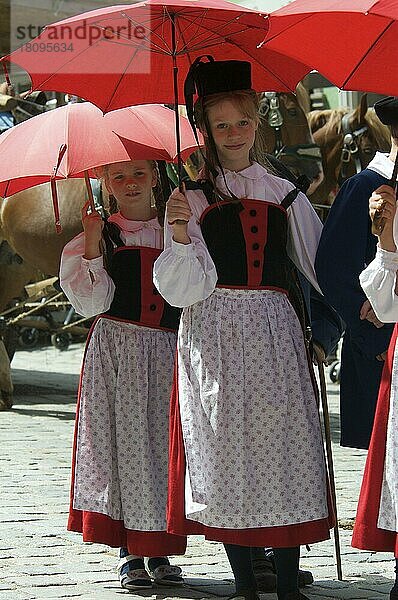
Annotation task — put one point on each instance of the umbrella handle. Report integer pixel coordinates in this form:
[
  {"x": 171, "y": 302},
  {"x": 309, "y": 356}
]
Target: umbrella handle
[
  {"x": 54, "y": 195},
  {"x": 6, "y": 75},
  {"x": 89, "y": 191},
  {"x": 378, "y": 220}
]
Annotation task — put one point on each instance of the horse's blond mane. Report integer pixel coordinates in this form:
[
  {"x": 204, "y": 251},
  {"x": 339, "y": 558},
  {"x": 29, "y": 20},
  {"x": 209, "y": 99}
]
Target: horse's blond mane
[
  {"x": 333, "y": 120},
  {"x": 303, "y": 97},
  {"x": 380, "y": 132},
  {"x": 331, "y": 117}
]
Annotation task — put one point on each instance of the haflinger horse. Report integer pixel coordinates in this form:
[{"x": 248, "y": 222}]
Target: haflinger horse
[
  {"x": 348, "y": 140},
  {"x": 30, "y": 248},
  {"x": 27, "y": 222},
  {"x": 27, "y": 218}
]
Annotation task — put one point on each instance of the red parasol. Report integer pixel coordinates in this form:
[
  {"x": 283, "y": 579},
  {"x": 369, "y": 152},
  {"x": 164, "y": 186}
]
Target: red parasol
[
  {"x": 132, "y": 54},
  {"x": 70, "y": 141},
  {"x": 350, "y": 43}
]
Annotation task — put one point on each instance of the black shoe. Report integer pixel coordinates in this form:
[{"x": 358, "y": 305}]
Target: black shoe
[
  {"x": 296, "y": 596},
  {"x": 265, "y": 573}
]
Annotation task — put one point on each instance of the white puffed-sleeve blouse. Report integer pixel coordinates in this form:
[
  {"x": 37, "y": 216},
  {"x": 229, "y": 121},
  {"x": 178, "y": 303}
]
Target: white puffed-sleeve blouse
[
  {"x": 86, "y": 283},
  {"x": 185, "y": 274}
]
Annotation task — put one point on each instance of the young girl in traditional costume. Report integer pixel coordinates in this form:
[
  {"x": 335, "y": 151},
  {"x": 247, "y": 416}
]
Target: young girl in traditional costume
[
  {"x": 246, "y": 458},
  {"x": 376, "y": 524},
  {"x": 119, "y": 475}
]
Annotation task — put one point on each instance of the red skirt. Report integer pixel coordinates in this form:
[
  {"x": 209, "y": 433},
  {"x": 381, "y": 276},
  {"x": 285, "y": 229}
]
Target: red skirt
[
  {"x": 367, "y": 535},
  {"x": 101, "y": 529},
  {"x": 286, "y": 536}
]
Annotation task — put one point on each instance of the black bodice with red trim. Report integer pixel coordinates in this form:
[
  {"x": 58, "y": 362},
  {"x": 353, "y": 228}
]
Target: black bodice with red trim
[
  {"x": 136, "y": 299},
  {"x": 247, "y": 242}
]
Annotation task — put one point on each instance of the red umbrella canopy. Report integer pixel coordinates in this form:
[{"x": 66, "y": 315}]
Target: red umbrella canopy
[
  {"x": 123, "y": 55},
  {"x": 352, "y": 43},
  {"x": 79, "y": 137}
]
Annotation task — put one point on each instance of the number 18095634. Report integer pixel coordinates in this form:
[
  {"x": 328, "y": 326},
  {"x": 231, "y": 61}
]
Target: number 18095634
[{"x": 47, "y": 47}]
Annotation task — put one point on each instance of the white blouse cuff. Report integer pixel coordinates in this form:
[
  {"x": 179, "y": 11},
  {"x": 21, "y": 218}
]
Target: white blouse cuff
[
  {"x": 182, "y": 249},
  {"x": 386, "y": 259},
  {"x": 93, "y": 264}
]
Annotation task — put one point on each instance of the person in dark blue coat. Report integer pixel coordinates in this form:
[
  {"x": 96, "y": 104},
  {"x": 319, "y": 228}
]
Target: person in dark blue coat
[{"x": 347, "y": 245}]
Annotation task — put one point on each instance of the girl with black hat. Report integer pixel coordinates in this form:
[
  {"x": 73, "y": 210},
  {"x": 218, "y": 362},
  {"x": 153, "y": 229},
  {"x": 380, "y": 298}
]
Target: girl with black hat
[
  {"x": 246, "y": 456},
  {"x": 376, "y": 524},
  {"x": 119, "y": 477}
]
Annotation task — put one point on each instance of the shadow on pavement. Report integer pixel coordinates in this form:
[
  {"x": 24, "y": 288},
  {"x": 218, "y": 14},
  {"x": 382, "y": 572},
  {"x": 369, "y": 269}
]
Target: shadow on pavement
[
  {"x": 41, "y": 387},
  {"x": 62, "y": 415},
  {"x": 370, "y": 585},
  {"x": 194, "y": 589}
]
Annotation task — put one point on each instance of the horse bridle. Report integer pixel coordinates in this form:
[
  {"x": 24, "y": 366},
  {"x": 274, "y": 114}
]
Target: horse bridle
[
  {"x": 350, "y": 151},
  {"x": 275, "y": 120}
]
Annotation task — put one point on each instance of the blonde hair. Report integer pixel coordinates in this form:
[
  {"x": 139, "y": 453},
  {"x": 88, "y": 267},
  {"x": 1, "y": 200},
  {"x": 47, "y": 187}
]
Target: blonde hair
[{"x": 248, "y": 103}]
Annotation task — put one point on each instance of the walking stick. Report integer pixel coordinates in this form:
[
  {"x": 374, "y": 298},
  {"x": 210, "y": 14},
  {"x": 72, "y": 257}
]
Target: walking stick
[{"x": 319, "y": 356}]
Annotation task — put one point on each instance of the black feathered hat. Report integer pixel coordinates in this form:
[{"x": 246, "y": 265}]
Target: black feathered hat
[
  {"x": 214, "y": 77},
  {"x": 387, "y": 110}
]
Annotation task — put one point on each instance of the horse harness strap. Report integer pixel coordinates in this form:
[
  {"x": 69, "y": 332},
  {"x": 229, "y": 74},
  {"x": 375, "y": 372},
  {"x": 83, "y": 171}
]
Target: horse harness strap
[
  {"x": 275, "y": 120},
  {"x": 350, "y": 150}
]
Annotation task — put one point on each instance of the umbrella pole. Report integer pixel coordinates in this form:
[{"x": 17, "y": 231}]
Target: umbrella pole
[
  {"x": 177, "y": 114},
  {"x": 89, "y": 191},
  {"x": 329, "y": 456}
]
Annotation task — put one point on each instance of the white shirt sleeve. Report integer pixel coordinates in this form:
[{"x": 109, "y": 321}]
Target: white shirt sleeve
[
  {"x": 185, "y": 273},
  {"x": 305, "y": 231},
  {"x": 86, "y": 283},
  {"x": 378, "y": 281}
]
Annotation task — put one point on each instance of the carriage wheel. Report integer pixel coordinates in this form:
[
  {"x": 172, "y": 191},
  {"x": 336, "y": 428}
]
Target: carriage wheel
[
  {"x": 28, "y": 337},
  {"x": 334, "y": 371},
  {"x": 61, "y": 341}
]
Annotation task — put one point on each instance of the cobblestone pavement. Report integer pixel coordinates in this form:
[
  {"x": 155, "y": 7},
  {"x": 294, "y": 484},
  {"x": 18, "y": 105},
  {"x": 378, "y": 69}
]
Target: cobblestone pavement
[{"x": 40, "y": 559}]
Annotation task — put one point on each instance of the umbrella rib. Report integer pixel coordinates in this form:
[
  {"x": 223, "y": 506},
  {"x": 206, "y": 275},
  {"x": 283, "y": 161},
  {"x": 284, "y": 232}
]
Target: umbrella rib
[
  {"x": 199, "y": 19},
  {"x": 367, "y": 52},
  {"x": 147, "y": 38},
  {"x": 211, "y": 40},
  {"x": 181, "y": 34},
  {"x": 266, "y": 68},
  {"x": 166, "y": 50},
  {"x": 272, "y": 37},
  {"x": 151, "y": 32},
  {"x": 116, "y": 87},
  {"x": 208, "y": 44},
  {"x": 217, "y": 35}
]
